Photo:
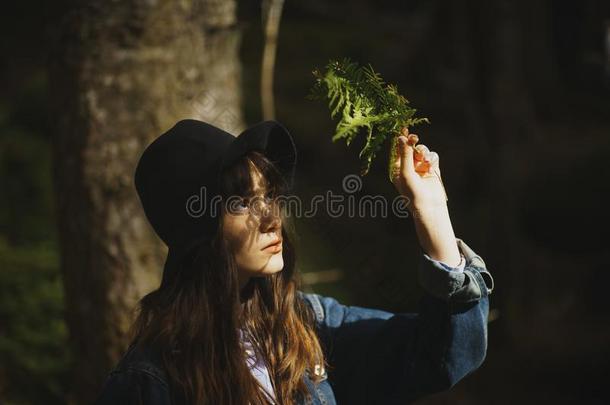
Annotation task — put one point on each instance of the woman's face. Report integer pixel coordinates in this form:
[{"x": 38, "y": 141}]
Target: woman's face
[{"x": 249, "y": 227}]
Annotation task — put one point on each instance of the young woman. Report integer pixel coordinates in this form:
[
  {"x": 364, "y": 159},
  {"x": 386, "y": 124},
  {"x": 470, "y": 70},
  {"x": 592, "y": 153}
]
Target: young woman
[{"x": 229, "y": 324}]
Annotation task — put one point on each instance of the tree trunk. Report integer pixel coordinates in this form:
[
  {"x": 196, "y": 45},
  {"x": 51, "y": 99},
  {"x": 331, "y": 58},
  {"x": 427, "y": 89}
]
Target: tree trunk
[
  {"x": 121, "y": 73},
  {"x": 271, "y": 12}
]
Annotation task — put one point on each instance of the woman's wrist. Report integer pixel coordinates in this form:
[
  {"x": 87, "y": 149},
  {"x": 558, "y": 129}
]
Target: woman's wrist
[
  {"x": 435, "y": 233},
  {"x": 428, "y": 212}
]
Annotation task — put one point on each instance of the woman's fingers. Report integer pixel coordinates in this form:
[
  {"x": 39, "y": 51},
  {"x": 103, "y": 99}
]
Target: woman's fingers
[
  {"x": 406, "y": 157},
  {"x": 422, "y": 167},
  {"x": 414, "y": 158},
  {"x": 433, "y": 158},
  {"x": 420, "y": 152},
  {"x": 426, "y": 161}
]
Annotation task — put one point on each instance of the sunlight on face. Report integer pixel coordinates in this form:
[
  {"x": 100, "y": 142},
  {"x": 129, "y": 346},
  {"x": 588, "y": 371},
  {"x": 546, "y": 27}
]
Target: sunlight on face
[{"x": 249, "y": 230}]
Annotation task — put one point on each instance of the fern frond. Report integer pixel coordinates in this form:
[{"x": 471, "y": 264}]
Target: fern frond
[{"x": 364, "y": 101}]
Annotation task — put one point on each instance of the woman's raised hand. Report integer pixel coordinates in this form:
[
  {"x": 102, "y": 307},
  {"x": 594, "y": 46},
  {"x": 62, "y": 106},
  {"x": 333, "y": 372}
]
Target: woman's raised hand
[{"x": 417, "y": 173}]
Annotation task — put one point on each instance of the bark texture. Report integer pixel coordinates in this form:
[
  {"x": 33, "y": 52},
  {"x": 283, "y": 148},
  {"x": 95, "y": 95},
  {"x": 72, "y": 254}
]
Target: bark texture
[{"x": 121, "y": 74}]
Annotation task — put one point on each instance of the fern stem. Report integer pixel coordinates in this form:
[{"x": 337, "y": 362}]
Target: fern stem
[{"x": 393, "y": 155}]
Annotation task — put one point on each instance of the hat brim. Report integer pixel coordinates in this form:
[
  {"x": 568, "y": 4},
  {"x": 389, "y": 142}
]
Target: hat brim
[{"x": 270, "y": 138}]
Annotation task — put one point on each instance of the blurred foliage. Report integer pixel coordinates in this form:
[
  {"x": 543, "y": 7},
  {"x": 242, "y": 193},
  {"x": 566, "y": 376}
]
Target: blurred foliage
[
  {"x": 34, "y": 354},
  {"x": 26, "y": 207}
]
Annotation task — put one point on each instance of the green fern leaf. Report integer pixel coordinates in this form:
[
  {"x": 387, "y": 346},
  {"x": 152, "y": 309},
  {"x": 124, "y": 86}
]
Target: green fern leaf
[{"x": 363, "y": 100}]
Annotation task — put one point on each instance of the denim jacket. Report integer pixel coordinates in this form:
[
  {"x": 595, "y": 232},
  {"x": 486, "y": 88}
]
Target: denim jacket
[{"x": 376, "y": 357}]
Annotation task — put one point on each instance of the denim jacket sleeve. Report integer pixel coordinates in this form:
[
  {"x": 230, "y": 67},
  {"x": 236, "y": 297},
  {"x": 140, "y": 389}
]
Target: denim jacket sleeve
[
  {"x": 377, "y": 356},
  {"x": 447, "y": 283}
]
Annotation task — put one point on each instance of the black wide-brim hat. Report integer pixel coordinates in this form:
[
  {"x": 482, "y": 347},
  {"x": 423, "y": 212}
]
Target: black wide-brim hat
[{"x": 178, "y": 176}]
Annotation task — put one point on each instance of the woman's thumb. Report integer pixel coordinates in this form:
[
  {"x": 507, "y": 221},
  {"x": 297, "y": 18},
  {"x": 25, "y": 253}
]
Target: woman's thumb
[{"x": 406, "y": 157}]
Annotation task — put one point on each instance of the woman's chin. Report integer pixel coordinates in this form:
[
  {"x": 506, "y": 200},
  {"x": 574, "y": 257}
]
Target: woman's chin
[
  {"x": 272, "y": 265},
  {"x": 275, "y": 264}
]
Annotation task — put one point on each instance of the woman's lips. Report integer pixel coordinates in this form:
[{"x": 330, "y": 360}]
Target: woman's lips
[{"x": 274, "y": 248}]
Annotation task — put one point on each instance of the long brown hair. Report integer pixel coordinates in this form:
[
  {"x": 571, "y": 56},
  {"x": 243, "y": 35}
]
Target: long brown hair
[{"x": 194, "y": 318}]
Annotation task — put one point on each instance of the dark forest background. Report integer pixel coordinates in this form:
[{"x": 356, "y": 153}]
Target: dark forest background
[{"x": 518, "y": 94}]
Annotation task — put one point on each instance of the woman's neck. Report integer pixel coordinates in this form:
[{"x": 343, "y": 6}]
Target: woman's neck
[{"x": 245, "y": 292}]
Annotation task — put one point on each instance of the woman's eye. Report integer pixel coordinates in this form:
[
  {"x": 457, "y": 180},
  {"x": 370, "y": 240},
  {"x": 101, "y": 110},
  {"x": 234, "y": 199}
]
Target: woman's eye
[
  {"x": 240, "y": 205},
  {"x": 243, "y": 204}
]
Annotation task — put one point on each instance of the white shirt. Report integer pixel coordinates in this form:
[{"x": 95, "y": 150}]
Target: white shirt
[{"x": 258, "y": 368}]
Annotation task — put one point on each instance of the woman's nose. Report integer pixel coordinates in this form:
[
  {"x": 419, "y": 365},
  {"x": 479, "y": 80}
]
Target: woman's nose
[{"x": 270, "y": 216}]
